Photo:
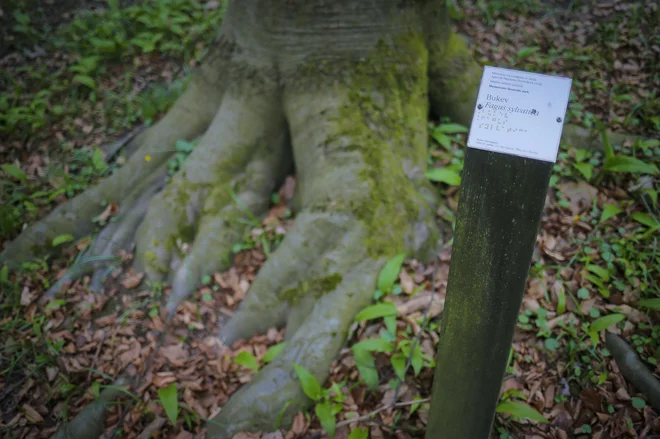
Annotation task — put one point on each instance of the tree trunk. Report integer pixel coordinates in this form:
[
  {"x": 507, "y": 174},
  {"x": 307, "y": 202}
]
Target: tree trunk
[{"x": 340, "y": 92}]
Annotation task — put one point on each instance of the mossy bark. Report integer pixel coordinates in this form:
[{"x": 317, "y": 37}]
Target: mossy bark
[
  {"x": 454, "y": 75},
  {"x": 359, "y": 137}
]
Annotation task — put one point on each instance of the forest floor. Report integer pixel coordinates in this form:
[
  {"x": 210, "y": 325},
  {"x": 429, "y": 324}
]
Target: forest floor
[{"x": 71, "y": 83}]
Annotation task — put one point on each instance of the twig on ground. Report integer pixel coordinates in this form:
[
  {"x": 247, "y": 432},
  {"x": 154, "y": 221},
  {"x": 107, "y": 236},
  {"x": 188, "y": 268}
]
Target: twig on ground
[
  {"x": 96, "y": 356},
  {"x": 370, "y": 415}
]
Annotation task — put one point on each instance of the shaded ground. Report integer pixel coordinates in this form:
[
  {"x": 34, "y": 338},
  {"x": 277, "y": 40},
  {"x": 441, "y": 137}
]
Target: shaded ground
[{"x": 596, "y": 266}]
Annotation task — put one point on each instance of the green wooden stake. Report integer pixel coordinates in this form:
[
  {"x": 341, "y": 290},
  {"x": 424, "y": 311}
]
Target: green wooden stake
[
  {"x": 512, "y": 147},
  {"x": 501, "y": 201}
]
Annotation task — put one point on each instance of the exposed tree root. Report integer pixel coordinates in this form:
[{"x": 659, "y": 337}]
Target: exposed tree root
[
  {"x": 354, "y": 168},
  {"x": 122, "y": 144},
  {"x": 116, "y": 236},
  {"x": 633, "y": 369},
  {"x": 454, "y": 75},
  {"x": 90, "y": 423},
  {"x": 321, "y": 323},
  {"x": 268, "y": 305},
  {"x": 238, "y": 163},
  {"x": 359, "y": 143}
]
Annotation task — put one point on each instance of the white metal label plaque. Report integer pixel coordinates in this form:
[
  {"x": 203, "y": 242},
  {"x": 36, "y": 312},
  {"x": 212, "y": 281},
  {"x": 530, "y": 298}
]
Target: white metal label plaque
[{"x": 520, "y": 113}]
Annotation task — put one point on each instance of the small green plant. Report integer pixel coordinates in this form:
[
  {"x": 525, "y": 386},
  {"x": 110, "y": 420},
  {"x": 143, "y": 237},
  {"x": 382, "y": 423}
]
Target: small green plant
[
  {"x": 622, "y": 163},
  {"x": 359, "y": 433},
  {"x": 495, "y": 8},
  {"x": 638, "y": 403},
  {"x": 408, "y": 349},
  {"x": 376, "y": 311},
  {"x": 403, "y": 348},
  {"x": 444, "y": 175},
  {"x": 273, "y": 352},
  {"x": 170, "y": 401},
  {"x": 448, "y": 135},
  {"x": 246, "y": 359},
  {"x": 583, "y": 164},
  {"x": 267, "y": 238},
  {"x": 156, "y": 100},
  {"x": 24, "y": 27},
  {"x": 61, "y": 239},
  {"x": 520, "y": 410},
  {"x": 390, "y": 273},
  {"x": 182, "y": 150},
  {"x": 328, "y": 401}
]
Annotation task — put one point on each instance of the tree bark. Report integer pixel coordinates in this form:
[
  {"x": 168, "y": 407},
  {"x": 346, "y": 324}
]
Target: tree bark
[{"x": 340, "y": 91}]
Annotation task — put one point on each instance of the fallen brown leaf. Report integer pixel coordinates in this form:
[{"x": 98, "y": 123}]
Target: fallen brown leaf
[
  {"x": 163, "y": 379},
  {"x": 27, "y": 296},
  {"x": 132, "y": 280},
  {"x": 131, "y": 354},
  {"x": 175, "y": 354},
  {"x": 31, "y": 414},
  {"x": 580, "y": 195},
  {"x": 111, "y": 209}
]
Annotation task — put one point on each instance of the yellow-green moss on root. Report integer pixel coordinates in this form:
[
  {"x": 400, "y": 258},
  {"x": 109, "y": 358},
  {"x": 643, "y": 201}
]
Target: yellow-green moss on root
[
  {"x": 454, "y": 78},
  {"x": 151, "y": 259},
  {"x": 318, "y": 287},
  {"x": 386, "y": 117}
]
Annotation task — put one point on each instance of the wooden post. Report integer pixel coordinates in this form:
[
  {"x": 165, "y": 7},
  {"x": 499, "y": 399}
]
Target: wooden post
[{"x": 501, "y": 200}]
